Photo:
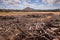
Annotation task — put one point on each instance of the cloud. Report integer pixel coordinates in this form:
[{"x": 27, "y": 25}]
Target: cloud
[
  {"x": 26, "y": 4},
  {"x": 44, "y": 7},
  {"x": 47, "y": 7},
  {"x": 51, "y": 1},
  {"x": 36, "y": 0},
  {"x": 29, "y": 0},
  {"x": 18, "y": 4},
  {"x": 10, "y": 1},
  {"x": 9, "y": 4}
]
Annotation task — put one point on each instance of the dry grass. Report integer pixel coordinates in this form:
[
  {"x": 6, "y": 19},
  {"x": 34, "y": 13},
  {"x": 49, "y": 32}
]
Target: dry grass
[{"x": 24, "y": 13}]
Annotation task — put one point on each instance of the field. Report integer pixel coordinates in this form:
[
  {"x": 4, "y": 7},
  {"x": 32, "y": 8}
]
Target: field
[
  {"x": 29, "y": 25},
  {"x": 24, "y": 13}
]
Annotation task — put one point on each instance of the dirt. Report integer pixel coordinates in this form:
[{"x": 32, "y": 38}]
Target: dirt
[{"x": 30, "y": 27}]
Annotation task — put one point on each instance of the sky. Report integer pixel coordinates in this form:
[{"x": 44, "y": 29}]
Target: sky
[{"x": 35, "y": 4}]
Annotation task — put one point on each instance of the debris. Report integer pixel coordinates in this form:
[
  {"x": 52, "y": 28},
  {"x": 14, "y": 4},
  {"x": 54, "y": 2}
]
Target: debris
[{"x": 25, "y": 28}]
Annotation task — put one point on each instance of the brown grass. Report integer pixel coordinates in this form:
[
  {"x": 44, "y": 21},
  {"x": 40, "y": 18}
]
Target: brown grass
[{"x": 24, "y": 13}]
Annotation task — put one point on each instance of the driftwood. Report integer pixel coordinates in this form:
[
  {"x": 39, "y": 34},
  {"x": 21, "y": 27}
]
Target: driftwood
[{"x": 29, "y": 28}]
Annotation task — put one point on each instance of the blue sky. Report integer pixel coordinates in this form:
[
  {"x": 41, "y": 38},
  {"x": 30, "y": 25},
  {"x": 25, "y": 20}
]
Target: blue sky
[{"x": 36, "y": 4}]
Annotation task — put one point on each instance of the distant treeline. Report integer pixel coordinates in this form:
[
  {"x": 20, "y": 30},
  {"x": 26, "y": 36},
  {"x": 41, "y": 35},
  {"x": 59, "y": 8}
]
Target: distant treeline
[{"x": 4, "y": 10}]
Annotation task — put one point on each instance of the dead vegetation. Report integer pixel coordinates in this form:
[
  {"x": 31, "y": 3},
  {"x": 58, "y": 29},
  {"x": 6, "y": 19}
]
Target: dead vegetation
[{"x": 30, "y": 27}]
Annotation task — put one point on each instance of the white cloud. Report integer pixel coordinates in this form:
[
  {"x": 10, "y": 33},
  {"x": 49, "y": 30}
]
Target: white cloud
[
  {"x": 15, "y": 4},
  {"x": 10, "y": 1},
  {"x": 28, "y": 0},
  {"x": 45, "y": 7},
  {"x": 28, "y": 5},
  {"x": 51, "y": 1},
  {"x": 36, "y": 0}
]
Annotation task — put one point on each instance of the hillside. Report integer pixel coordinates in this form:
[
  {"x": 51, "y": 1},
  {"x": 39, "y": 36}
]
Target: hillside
[{"x": 28, "y": 9}]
